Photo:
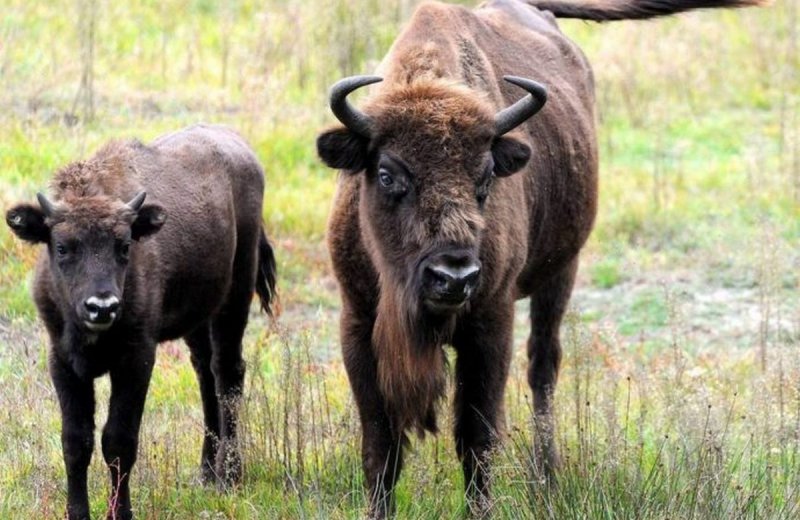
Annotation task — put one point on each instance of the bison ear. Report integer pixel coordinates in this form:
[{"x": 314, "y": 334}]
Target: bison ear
[
  {"x": 149, "y": 220},
  {"x": 342, "y": 149},
  {"x": 28, "y": 223},
  {"x": 510, "y": 155}
]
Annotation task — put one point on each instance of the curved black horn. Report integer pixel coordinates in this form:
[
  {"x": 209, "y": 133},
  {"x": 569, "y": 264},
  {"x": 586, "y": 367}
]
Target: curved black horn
[
  {"x": 47, "y": 207},
  {"x": 355, "y": 121},
  {"x": 513, "y": 116},
  {"x": 137, "y": 201}
]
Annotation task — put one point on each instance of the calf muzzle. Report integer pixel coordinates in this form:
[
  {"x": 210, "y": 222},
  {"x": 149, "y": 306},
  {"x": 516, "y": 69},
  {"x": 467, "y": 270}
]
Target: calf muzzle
[{"x": 100, "y": 312}]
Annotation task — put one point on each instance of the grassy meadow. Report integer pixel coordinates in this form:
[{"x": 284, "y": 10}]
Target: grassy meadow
[{"x": 679, "y": 394}]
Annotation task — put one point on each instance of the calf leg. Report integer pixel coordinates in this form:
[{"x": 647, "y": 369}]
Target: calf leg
[
  {"x": 483, "y": 344},
  {"x": 381, "y": 446},
  {"x": 548, "y": 305},
  {"x": 228, "y": 368},
  {"x": 76, "y": 398},
  {"x": 129, "y": 383},
  {"x": 199, "y": 342},
  {"x": 227, "y": 365}
]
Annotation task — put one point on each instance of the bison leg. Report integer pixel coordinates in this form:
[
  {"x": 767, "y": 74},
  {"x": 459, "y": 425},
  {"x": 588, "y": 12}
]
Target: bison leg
[
  {"x": 381, "y": 446},
  {"x": 227, "y": 364},
  {"x": 76, "y": 397},
  {"x": 120, "y": 441},
  {"x": 548, "y": 305},
  {"x": 199, "y": 342},
  {"x": 228, "y": 368},
  {"x": 483, "y": 343}
]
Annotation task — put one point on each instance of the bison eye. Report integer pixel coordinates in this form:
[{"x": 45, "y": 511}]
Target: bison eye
[
  {"x": 123, "y": 249},
  {"x": 482, "y": 191},
  {"x": 391, "y": 186},
  {"x": 385, "y": 179},
  {"x": 61, "y": 250}
]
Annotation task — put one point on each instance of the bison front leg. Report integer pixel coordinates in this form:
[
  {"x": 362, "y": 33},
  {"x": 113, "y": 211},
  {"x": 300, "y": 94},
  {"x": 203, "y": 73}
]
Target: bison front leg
[
  {"x": 483, "y": 343},
  {"x": 199, "y": 342},
  {"x": 381, "y": 446},
  {"x": 129, "y": 383},
  {"x": 548, "y": 305},
  {"x": 76, "y": 398}
]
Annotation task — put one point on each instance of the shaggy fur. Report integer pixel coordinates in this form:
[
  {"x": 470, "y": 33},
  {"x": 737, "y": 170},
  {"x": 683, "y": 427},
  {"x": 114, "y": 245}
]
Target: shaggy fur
[
  {"x": 432, "y": 133},
  {"x": 408, "y": 343},
  {"x": 194, "y": 278}
]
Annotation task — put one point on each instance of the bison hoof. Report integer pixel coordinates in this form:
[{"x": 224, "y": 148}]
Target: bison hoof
[
  {"x": 119, "y": 515},
  {"x": 228, "y": 466},
  {"x": 381, "y": 507},
  {"x": 208, "y": 475},
  {"x": 77, "y": 514},
  {"x": 479, "y": 506}
]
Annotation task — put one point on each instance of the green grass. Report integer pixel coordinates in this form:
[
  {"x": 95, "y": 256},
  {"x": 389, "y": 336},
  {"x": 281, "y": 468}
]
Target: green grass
[{"x": 689, "y": 281}]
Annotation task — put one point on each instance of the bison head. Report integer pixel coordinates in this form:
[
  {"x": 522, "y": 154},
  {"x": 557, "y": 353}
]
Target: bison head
[
  {"x": 89, "y": 245},
  {"x": 429, "y": 152}
]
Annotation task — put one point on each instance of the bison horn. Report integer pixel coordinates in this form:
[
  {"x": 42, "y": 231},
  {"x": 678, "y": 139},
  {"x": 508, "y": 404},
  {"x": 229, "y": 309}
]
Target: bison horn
[
  {"x": 355, "y": 121},
  {"x": 47, "y": 207},
  {"x": 513, "y": 116},
  {"x": 137, "y": 201}
]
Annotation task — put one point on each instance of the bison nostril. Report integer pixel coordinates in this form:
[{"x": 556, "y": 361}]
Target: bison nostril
[
  {"x": 438, "y": 274},
  {"x": 471, "y": 276},
  {"x": 453, "y": 280},
  {"x": 103, "y": 307}
]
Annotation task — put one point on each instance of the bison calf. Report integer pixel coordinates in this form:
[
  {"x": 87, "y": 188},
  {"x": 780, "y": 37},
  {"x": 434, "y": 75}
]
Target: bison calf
[{"x": 146, "y": 244}]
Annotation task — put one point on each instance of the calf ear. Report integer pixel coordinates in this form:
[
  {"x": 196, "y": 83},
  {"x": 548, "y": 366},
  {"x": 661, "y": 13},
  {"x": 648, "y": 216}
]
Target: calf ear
[
  {"x": 149, "y": 220},
  {"x": 510, "y": 155},
  {"x": 342, "y": 149},
  {"x": 28, "y": 223}
]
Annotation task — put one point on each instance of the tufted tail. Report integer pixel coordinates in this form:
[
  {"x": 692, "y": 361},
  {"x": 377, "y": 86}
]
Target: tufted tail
[{"x": 611, "y": 10}]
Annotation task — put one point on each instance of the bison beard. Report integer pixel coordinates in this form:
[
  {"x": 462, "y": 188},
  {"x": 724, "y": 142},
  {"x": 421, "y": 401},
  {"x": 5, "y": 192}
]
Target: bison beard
[{"x": 411, "y": 361}]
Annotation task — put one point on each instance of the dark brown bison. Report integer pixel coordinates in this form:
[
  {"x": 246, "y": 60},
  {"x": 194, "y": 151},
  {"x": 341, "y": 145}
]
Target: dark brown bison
[
  {"x": 445, "y": 215},
  {"x": 145, "y": 244}
]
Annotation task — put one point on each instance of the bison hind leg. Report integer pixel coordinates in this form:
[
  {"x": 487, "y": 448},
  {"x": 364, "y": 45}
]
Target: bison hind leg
[
  {"x": 227, "y": 364},
  {"x": 228, "y": 367},
  {"x": 548, "y": 305}
]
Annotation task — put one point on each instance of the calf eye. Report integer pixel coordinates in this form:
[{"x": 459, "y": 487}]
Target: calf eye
[
  {"x": 61, "y": 249},
  {"x": 123, "y": 249}
]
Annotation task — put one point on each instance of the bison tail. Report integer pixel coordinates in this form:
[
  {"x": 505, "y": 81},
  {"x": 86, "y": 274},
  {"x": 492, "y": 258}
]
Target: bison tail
[
  {"x": 267, "y": 273},
  {"x": 611, "y": 10}
]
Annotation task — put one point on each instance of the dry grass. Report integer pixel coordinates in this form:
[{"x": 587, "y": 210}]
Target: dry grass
[{"x": 679, "y": 396}]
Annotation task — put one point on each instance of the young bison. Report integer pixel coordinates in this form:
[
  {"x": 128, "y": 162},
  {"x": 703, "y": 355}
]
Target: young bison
[
  {"x": 445, "y": 215},
  {"x": 146, "y": 244}
]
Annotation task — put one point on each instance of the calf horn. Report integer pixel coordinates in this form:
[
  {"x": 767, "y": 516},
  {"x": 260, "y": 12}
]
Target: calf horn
[
  {"x": 137, "y": 201},
  {"x": 513, "y": 116},
  {"x": 47, "y": 207},
  {"x": 355, "y": 121}
]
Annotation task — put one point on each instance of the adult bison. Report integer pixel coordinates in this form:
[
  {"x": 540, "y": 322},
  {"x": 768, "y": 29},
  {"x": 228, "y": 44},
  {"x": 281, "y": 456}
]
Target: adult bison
[
  {"x": 445, "y": 215},
  {"x": 120, "y": 275}
]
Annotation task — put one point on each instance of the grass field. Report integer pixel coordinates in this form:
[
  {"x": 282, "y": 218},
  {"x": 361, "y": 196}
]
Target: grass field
[{"x": 680, "y": 390}]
